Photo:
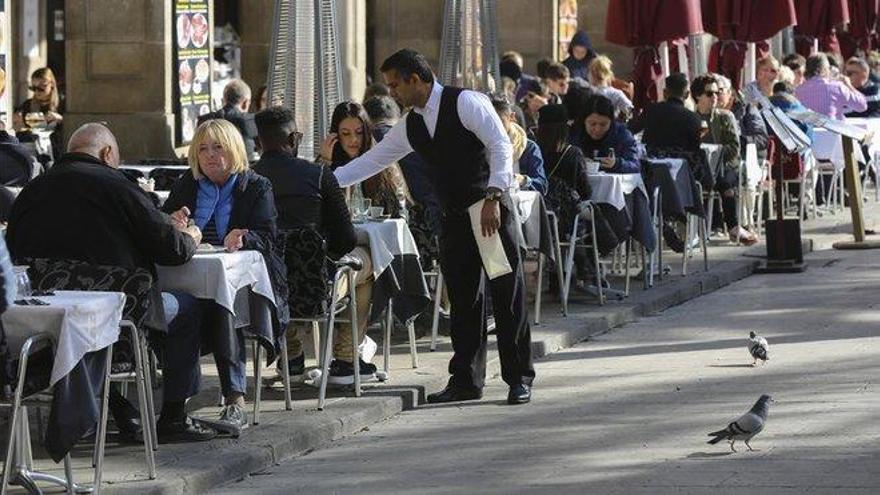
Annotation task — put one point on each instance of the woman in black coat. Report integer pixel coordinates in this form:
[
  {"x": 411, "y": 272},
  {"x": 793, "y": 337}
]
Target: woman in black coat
[{"x": 234, "y": 208}]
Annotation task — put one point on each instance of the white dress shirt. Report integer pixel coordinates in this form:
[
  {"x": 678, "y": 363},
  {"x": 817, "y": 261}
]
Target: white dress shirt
[{"x": 477, "y": 115}]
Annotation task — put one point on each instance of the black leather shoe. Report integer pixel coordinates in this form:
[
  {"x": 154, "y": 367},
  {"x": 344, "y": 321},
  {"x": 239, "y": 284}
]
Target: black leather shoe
[
  {"x": 186, "y": 430},
  {"x": 454, "y": 394},
  {"x": 519, "y": 394}
]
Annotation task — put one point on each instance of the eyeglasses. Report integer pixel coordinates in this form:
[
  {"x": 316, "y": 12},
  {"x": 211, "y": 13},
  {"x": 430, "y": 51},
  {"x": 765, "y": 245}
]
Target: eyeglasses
[{"x": 712, "y": 93}]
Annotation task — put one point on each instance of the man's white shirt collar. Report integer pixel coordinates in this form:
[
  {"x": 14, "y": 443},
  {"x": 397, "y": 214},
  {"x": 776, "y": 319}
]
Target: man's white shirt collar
[{"x": 433, "y": 100}]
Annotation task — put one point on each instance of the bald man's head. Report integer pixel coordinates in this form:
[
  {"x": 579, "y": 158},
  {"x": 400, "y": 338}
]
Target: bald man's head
[{"x": 95, "y": 140}]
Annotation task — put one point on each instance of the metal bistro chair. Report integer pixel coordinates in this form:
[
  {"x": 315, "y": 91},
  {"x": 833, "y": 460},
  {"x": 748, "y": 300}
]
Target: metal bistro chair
[
  {"x": 314, "y": 299},
  {"x": 54, "y": 274},
  {"x": 575, "y": 240},
  {"x": 18, "y": 449}
]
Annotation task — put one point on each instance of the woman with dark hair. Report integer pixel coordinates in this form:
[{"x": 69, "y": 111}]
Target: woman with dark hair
[
  {"x": 580, "y": 54},
  {"x": 607, "y": 139},
  {"x": 351, "y": 135}
]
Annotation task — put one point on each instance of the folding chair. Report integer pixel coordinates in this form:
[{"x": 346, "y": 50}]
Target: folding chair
[{"x": 575, "y": 240}]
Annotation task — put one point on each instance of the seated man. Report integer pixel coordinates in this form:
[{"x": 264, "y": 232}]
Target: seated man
[
  {"x": 236, "y": 100},
  {"x": 85, "y": 209},
  {"x": 307, "y": 195}
]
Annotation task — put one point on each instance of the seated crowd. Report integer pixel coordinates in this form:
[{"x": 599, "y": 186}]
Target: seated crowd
[{"x": 569, "y": 114}]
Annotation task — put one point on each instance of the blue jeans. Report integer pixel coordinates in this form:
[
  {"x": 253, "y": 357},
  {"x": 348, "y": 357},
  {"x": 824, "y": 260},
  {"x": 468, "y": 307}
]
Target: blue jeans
[
  {"x": 182, "y": 373},
  {"x": 187, "y": 318}
]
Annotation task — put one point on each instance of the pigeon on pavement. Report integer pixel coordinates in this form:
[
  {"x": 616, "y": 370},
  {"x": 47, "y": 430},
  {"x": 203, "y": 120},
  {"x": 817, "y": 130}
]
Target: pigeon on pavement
[
  {"x": 746, "y": 426},
  {"x": 758, "y": 348}
]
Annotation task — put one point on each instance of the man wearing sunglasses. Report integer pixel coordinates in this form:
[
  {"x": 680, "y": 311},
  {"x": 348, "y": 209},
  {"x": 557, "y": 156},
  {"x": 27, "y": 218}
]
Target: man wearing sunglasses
[{"x": 724, "y": 130}]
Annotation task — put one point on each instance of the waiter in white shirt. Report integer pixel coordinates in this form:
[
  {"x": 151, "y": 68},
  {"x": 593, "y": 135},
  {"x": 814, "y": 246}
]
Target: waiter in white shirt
[{"x": 461, "y": 139}]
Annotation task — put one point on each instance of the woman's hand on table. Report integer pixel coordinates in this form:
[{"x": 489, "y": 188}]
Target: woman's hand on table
[
  {"x": 235, "y": 240},
  {"x": 53, "y": 117}
]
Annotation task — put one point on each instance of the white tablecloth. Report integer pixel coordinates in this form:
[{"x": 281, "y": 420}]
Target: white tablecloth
[
  {"x": 611, "y": 188},
  {"x": 218, "y": 277},
  {"x": 82, "y": 322},
  {"x": 148, "y": 169},
  {"x": 387, "y": 239},
  {"x": 827, "y": 146},
  {"x": 525, "y": 203},
  {"x": 873, "y": 128}
]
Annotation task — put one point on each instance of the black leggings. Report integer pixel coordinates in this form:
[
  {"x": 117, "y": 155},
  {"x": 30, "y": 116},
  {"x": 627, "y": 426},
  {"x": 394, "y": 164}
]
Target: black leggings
[{"x": 726, "y": 183}]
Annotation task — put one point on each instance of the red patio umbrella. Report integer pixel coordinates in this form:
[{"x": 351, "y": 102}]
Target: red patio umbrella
[
  {"x": 819, "y": 19},
  {"x": 862, "y": 32},
  {"x": 738, "y": 22},
  {"x": 644, "y": 24}
]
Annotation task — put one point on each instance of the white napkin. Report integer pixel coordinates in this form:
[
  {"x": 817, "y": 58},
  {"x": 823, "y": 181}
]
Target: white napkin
[{"x": 491, "y": 249}]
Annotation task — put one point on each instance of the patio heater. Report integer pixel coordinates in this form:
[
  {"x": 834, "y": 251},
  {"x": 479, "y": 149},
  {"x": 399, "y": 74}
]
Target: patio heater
[
  {"x": 305, "y": 72},
  {"x": 469, "y": 47}
]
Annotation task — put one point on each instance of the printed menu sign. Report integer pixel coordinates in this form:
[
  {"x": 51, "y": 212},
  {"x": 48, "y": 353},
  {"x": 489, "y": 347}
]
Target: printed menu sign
[{"x": 192, "y": 63}]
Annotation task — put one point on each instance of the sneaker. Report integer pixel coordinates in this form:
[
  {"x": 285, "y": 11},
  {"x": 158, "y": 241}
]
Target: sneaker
[
  {"x": 234, "y": 416},
  {"x": 342, "y": 372},
  {"x": 745, "y": 237}
]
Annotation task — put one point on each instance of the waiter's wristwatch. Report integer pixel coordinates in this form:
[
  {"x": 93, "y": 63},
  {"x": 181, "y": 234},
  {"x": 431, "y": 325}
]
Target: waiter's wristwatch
[{"x": 493, "y": 194}]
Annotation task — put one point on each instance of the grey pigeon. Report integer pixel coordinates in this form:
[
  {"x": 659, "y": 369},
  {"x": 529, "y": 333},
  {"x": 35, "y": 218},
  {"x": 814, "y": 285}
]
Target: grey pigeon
[
  {"x": 758, "y": 348},
  {"x": 746, "y": 426}
]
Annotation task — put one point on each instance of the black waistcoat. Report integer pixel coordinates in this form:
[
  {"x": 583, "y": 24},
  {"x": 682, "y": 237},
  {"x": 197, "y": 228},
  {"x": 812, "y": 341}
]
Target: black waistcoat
[{"x": 456, "y": 158}]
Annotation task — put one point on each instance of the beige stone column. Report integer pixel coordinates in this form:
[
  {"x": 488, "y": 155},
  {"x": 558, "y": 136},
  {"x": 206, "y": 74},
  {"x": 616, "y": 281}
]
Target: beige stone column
[
  {"x": 353, "y": 47},
  {"x": 119, "y": 71}
]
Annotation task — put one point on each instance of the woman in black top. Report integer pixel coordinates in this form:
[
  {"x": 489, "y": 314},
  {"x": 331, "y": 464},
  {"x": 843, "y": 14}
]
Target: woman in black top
[
  {"x": 351, "y": 135},
  {"x": 46, "y": 101}
]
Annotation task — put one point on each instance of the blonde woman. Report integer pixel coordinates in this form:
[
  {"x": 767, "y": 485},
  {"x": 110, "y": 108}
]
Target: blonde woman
[
  {"x": 44, "y": 108},
  {"x": 766, "y": 74},
  {"x": 601, "y": 77},
  {"x": 234, "y": 208}
]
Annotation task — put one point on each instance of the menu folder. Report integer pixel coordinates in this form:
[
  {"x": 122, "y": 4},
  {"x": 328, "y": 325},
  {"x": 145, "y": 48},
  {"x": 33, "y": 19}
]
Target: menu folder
[{"x": 491, "y": 249}]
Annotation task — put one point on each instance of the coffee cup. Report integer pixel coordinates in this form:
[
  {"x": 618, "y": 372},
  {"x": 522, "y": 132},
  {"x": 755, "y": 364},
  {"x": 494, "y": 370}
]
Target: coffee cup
[{"x": 592, "y": 167}]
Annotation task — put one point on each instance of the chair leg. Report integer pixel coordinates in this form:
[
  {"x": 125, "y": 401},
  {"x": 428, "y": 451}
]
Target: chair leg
[
  {"x": 687, "y": 244},
  {"x": 258, "y": 374},
  {"x": 701, "y": 228},
  {"x": 595, "y": 244},
  {"x": 628, "y": 247},
  {"x": 355, "y": 354},
  {"x": 285, "y": 374},
  {"x": 554, "y": 226},
  {"x": 325, "y": 359},
  {"x": 13, "y": 433},
  {"x": 102, "y": 423},
  {"x": 388, "y": 327},
  {"x": 438, "y": 301},
  {"x": 68, "y": 475},
  {"x": 151, "y": 403},
  {"x": 538, "y": 288},
  {"x": 316, "y": 340},
  {"x": 645, "y": 265},
  {"x": 143, "y": 403},
  {"x": 413, "y": 347}
]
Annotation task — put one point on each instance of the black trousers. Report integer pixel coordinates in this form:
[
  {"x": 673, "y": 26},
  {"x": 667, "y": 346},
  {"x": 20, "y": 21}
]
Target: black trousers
[{"x": 466, "y": 283}]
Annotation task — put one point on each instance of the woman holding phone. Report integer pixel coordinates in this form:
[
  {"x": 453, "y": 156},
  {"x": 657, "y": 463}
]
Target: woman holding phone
[{"x": 606, "y": 139}]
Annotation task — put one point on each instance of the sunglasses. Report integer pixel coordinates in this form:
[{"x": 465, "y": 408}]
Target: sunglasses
[
  {"x": 44, "y": 87},
  {"x": 712, "y": 93}
]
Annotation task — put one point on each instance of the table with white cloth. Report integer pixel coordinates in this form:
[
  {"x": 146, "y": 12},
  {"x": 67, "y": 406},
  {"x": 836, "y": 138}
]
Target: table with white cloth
[
  {"x": 83, "y": 325},
  {"x": 827, "y": 146},
  {"x": 624, "y": 202},
  {"x": 673, "y": 178},
  {"x": 713, "y": 154},
  {"x": 397, "y": 272},
  {"x": 240, "y": 286},
  {"x": 534, "y": 224}
]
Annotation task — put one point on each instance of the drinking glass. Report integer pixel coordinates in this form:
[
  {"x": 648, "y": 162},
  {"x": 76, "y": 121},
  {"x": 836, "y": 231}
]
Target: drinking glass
[{"x": 22, "y": 282}]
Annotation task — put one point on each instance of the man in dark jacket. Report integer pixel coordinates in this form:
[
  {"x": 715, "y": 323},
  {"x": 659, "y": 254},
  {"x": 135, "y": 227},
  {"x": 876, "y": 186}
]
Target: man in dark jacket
[
  {"x": 580, "y": 54},
  {"x": 669, "y": 124},
  {"x": 86, "y": 209},
  {"x": 236, "y": 101},
  {"x": 17, "y": 163},
  {"x": 306, "y": 195}
]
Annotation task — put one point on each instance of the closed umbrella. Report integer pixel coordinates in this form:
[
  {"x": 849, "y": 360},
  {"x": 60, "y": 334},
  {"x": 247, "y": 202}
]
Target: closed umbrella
[
  {"x": 818, "y": 20},
  {"x": 862, "y": 32},
  {"x": 738, "y": 22},
  {"x": 644, "y": 24}
]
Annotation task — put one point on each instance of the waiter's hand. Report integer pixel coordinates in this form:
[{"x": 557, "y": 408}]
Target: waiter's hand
[
  {"x": 490, "y": 217},
  {"x": 235, "y": 240}
]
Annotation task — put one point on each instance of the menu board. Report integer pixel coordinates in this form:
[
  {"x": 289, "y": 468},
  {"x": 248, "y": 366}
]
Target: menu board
[{"x": 192, "y": 65}]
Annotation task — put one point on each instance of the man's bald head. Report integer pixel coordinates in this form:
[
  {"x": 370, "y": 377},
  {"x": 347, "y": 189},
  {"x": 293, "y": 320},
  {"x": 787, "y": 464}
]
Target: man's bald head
[{"x": 96, "y": 140}]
